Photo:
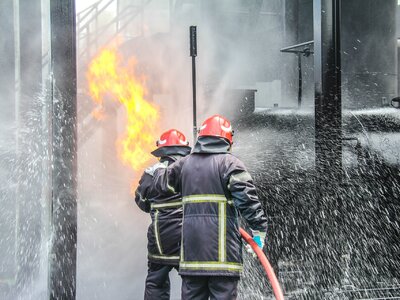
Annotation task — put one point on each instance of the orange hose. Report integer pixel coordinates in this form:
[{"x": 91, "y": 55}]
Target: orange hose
[{"x": 265, "y": 263}]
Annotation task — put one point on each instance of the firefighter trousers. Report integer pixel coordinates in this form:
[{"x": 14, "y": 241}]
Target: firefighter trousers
[
  {"x": 209, "y": 287},
  {"x": 157, "y": 282}
]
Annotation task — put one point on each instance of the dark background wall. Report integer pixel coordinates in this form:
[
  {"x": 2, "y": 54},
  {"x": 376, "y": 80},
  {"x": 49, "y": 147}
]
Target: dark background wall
[
  {"x": 299, "y": 29},
  {"x": 369, "y": 52}
]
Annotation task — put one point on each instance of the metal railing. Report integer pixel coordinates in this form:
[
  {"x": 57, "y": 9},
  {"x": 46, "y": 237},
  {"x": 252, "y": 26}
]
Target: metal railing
[
  {"x": 93, "y": 32},
  {"x": 96, "y": 27}
]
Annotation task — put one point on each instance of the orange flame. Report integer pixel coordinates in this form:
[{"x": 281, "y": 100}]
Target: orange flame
[{"x": 109, "y": 78}]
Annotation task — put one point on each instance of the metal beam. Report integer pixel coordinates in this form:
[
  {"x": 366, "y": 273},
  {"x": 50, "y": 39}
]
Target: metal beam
[
  {"x": 300, "y": 90},
  {"x": 327, "y": 73},
  {"x": 328, "y": 143},
  {"x": 286, "y": 49},
  {"x": 62, "y": 277}
]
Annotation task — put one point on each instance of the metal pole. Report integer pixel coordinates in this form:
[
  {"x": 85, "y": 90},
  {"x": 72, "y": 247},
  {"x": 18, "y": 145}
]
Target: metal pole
[
  {"x": 193, "y": 54},
  {"x": 62, "y": 271},
  {"x": 328, "y": 141},
  {"x": 194, "y": 98},
  {"x": 327, "y": 70},
  {"x": 289, "y": 48},
  {"x": 300, "y": 80}
]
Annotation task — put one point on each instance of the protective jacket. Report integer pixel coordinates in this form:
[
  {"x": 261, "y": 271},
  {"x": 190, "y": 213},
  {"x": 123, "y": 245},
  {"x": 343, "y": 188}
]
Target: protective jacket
[
  {"x": 165, "y": 208},
  {"x": 216, "y": 188}
]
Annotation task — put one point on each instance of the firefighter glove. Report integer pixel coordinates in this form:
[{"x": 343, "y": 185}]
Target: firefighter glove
[
  {"x": 152, "y": 169},
  {"x": 259, "y": 237}
]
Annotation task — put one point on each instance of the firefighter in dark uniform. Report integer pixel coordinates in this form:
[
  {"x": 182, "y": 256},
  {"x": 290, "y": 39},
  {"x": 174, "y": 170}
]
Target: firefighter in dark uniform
[
  {"x": 216, "y": 188},
  {"x": 164, "y": 233}
]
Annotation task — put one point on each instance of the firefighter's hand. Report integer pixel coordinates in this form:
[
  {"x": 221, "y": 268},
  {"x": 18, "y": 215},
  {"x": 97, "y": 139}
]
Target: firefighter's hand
[{"x": 259, "y": 237}]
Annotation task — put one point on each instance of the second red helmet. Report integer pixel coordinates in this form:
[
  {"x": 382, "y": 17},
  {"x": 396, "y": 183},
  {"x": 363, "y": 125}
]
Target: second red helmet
[
  {"x": 217, "y": 126},
  {"x": 172, "y": 137}
]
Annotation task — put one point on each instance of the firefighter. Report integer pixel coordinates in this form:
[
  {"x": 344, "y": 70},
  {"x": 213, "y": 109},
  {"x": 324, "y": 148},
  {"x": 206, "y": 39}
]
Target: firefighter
[
  {"x": 216, "y": 188},
  {"x": 164, "y": 233}
]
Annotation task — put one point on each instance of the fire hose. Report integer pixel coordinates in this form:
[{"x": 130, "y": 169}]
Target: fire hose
[{"x": 276, "y": 288}]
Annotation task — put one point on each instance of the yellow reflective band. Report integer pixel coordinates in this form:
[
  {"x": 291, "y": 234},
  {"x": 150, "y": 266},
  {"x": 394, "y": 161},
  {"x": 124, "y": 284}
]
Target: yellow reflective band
[
  {"x": 163, "y": 257},
  {"x": 211, "y": 266},
  {"x": 222, "y": 232},
  {"x": 156, "y": 233},
  {"x": 204, "y": 198},
  {"x": 182, "y": 244},
  {"x": 166, "y": 205}
]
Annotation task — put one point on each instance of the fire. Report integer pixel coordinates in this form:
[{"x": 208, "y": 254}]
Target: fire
[{"x": 110, "y": 79}]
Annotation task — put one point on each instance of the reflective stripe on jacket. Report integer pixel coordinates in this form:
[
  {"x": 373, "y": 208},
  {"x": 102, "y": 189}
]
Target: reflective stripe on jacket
[
  {"x": 216, "y": 187},
  {"x": 164, "y": 232}
]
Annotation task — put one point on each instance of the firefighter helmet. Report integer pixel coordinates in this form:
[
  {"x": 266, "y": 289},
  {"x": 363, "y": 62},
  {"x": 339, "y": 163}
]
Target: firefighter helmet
[
  {"x": 217, "y": 126},
  {"x": 172, "y": 137}
]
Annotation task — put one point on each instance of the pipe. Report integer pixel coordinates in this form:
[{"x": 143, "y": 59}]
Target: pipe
[
  {"x": 297, "y": 46},
  {"x": 276, "y": 288}
]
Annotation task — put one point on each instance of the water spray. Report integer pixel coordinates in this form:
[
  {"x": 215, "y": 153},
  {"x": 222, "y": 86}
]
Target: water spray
[
  {"x": 276, "y": 288},
  {"x": 260, "y": 254}
]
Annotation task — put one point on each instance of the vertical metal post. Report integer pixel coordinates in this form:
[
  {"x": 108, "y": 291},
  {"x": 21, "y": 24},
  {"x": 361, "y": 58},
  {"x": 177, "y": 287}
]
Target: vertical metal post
[
  {"x": 62, "y": 277},
  {"x": 283, "y": 12},
  {"x": 328, "y": 142},
  {"x": 193, "y": 54},
  {"x": 300, "y": 92},
  {"x": 328, "y": 110}
]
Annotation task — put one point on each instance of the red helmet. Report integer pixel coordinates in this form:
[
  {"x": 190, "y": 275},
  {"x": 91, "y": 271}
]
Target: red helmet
[
  {"x": 217, "y": 126},
  {"x": 172, "y": 137}
]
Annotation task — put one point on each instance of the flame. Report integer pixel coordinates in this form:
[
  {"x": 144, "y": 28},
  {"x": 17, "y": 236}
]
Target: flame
[{"x": 109, "y": 78}]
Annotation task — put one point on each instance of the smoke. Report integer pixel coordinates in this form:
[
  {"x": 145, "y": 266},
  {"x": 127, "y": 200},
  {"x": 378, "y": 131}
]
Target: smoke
[
  {"x": 111, "y": 229},
  {"x": 231, "y": 55},
  {"x": 238, "y": 48}
]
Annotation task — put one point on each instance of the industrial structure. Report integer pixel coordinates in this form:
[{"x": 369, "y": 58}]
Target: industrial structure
[{"x": 316, "y": 129}]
